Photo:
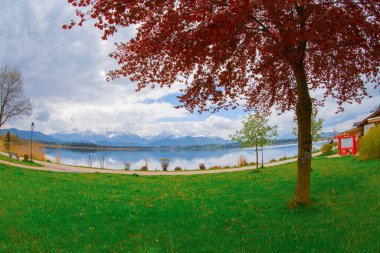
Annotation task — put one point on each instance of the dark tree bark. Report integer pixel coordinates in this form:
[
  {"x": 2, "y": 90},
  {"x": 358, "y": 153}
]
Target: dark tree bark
[
  {"x": 303, "y": 112},
  {"x": 296, "y": 58}
]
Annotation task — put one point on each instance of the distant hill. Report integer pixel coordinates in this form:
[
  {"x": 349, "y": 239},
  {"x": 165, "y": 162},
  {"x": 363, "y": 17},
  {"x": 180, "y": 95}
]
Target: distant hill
[
  {"x": 328, "y": 135},
  {"x": 287, "y": 138},
  {"x": 108, "y": 138},
  {"x": 38, "y": 136},
  {"x": 125, "y": 139},
  {"x": 188, "y": 141},
  {"x": 119, "y": 139}
]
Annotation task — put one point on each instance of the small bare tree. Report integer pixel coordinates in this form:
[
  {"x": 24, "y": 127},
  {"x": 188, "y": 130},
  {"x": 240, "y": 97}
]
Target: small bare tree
[
  {"x": 12, "y": 101},
  {"x": 101, "y": 160},
  {"x": 89, "y": 160},
  {"x": 145, "y": 168}
]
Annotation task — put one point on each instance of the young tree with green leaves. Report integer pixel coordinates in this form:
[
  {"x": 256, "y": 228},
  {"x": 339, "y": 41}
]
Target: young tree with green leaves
[
  {"x": 316, "y": 127},
  {"x": 269, "y": 136},
  {"x": 255, "y": 133}
]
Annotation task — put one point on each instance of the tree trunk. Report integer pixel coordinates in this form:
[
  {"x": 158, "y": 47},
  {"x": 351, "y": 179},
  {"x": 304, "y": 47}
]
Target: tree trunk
[
  {"x": 257, "y": 157},
  {"x": 262, "y": 156},
  {"x": 303, "y": 112}
]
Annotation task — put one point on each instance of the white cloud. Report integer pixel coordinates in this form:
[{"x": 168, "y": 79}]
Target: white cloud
[
  {"x": 211, "y": 126},
  {"x": 285, "y": 122}
]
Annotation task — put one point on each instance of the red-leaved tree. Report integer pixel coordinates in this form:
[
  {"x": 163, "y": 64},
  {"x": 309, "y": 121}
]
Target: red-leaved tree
[{"x": 259, "y": 54}]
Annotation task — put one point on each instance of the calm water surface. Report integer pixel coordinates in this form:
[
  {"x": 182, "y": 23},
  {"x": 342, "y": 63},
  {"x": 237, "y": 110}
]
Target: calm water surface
[{"x": 186, "y": 159}]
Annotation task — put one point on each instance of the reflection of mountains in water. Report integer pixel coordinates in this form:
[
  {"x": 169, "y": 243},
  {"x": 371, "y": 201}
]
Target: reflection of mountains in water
[
  {"x": 136, "y": 155},
  {"x": 230, "y": 156},
  {"x": 187, "y": 159}
]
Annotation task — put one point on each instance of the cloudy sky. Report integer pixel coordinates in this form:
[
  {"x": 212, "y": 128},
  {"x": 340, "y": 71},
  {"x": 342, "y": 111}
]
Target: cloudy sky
[{"x": 64, "y": 75}]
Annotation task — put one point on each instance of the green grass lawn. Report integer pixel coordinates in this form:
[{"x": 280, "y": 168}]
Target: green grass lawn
[
  {"x": 8, "y": 159},
  {"x": 231, "y": 212}
]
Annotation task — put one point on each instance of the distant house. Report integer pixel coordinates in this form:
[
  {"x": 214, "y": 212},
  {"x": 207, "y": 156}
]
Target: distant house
[{"x": 361, "y": 127}]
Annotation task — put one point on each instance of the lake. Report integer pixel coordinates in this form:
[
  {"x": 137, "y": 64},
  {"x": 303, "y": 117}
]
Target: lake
[{"x": 186, "y": 159}]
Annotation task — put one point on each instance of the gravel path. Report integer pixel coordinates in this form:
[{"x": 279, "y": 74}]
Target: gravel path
[{"x": 73, "y": 169}]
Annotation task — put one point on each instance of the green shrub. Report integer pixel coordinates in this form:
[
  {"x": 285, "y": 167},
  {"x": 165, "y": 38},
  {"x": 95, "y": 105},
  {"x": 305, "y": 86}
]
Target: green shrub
[
  {"x": 272, "y": 161},
  {"x": 202, "y": 166},
  {"x": 326, "y": 149},
  {"x": 178, "y": 168},
  {"x": 369, "y": 144}
]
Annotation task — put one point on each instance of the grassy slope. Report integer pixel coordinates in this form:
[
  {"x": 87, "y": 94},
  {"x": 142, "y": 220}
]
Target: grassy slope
[
  {"x": 8, "y": 159},
  {"x": 234, "y": 212}
]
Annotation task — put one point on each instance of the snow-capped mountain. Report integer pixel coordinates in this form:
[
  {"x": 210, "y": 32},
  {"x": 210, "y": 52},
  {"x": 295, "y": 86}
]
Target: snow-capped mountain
[
  {"x": 107, "y": 138},
  {"x": 126, "y": 139},
  {"x": 187, "y": 141},
  {"x": 164, "y": 135},
  {"x": 118, "y": 139},
  {"x": 112, "y": 138}
]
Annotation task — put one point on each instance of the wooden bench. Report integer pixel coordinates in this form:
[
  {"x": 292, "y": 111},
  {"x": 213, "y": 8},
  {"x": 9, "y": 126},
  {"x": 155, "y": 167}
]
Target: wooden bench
[{"x": 11, "y": 154}]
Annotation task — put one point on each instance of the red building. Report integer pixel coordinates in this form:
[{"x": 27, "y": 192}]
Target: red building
[{"x": 348, "y": 140}]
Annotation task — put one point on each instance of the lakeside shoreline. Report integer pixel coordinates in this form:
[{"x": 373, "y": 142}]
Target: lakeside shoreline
[{"x": 174, "y": 148}]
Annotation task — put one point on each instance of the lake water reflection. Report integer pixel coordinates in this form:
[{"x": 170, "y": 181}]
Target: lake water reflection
[{"x": 186, "y": 159}]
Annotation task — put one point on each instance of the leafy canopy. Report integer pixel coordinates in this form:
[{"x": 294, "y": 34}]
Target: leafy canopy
[{"x": 232, "y": 52}]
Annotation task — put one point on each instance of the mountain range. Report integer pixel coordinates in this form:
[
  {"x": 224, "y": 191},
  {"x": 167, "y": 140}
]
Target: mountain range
[
  {"x": 119, "y": 139},
  {"x": 125, "y": 139}
]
